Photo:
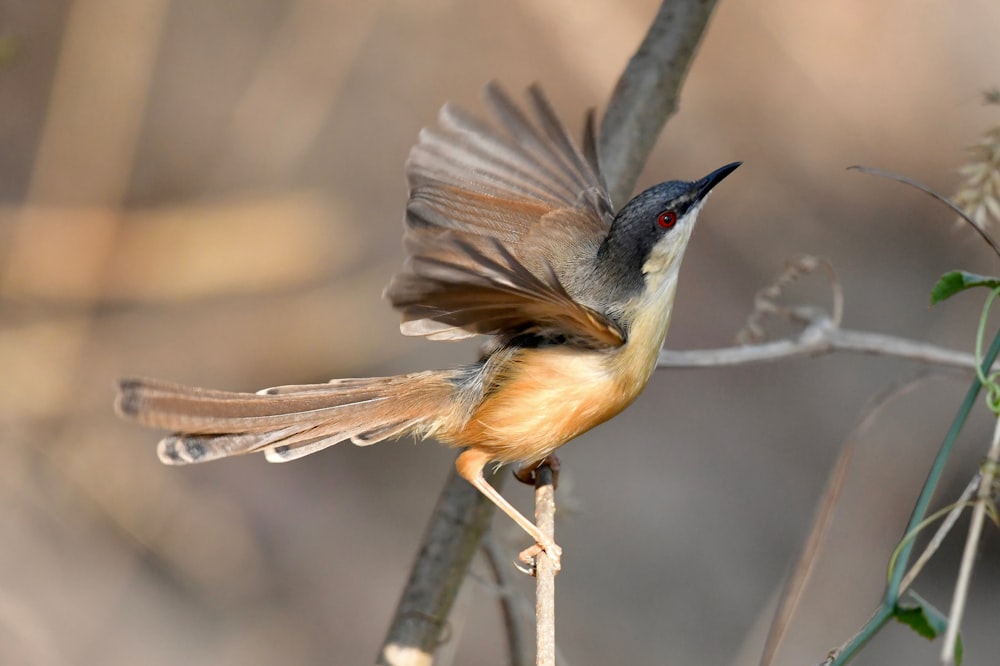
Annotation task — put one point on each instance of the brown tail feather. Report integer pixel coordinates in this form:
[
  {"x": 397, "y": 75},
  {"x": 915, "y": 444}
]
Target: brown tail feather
[{"x": 286, "y": 422}]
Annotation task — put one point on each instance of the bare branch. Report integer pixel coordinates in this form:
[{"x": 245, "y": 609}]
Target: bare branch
[
  {"x": 648, "y": 91},
  {"x": 983, "y": 497},
  {"x": 818, "y": 338},
  {"x": 942, "y": 531},
  {"x": 545, "y": 574},
  {"x": 461, "y": 516},
  {"x": 767, "y": 303}
]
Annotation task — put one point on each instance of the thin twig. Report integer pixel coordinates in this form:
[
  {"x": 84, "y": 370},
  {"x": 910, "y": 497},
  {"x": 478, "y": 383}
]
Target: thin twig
[
  {"x": 796, "y": 584},
  {"x": 926, "y": 190},
  {"x": 983, "y": 496},
  {"x": 942, "y": 531},
  {"x": 545, "y": 574},
  {"x": 890, "y": 598},
  {"x": 819, "y": 337},
  {"x": 766, "y": 300}
]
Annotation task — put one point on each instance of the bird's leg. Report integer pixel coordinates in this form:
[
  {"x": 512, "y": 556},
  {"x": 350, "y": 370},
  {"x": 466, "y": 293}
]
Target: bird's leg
[
  {"x": 526, "y": 473},
  {"x": 470, "y": 465}
]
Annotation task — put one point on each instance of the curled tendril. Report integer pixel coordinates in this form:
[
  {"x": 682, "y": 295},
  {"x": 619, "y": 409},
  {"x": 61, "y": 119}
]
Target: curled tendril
[
  {"x": 989, "y": 381},
  {"x": 920, "y": 527}
]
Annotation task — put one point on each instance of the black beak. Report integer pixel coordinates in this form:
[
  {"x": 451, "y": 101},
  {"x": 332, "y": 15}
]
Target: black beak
[{"x": 705, "y": 185}]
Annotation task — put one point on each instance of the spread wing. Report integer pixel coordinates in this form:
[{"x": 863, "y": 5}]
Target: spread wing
[{"x": 502, "y": 227}]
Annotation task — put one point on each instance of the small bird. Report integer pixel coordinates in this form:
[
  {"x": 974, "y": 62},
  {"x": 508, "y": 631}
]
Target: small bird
[{"x": 511, "y": 235}]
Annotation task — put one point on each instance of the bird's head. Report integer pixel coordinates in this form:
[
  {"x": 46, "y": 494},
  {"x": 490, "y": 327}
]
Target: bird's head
[{"x": 649, "y": 234}]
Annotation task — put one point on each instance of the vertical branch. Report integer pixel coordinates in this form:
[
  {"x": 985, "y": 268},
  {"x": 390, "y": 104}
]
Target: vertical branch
[
  {"x": 648, "y": 91},
  {"x": 545, "y": 574}
]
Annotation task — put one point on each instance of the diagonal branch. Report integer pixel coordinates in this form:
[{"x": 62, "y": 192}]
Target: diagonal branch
[
  {"x": 648, "y": 91},
  {"x": 461, "y": 516}
]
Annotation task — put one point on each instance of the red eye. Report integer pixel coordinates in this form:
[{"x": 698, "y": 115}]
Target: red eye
[{"x": 667, "y": 219}]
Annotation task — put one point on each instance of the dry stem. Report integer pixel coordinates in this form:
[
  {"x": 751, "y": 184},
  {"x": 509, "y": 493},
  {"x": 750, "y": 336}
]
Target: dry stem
[
  {"x": 983, "y": 497},
  {"x": 545, "y": 574}
]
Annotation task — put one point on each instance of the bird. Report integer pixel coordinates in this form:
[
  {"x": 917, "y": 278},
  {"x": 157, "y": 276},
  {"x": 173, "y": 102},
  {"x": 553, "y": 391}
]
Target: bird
[{"x": 511, "y": 236}]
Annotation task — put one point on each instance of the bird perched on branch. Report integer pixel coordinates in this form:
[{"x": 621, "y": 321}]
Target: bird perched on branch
[{"x": 511, "y": 234}]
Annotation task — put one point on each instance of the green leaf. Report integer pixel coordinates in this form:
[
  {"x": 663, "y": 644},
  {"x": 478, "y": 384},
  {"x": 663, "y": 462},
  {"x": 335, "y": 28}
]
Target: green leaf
[
  {"x": 951, "y": 283},
  {"x": 926, "y": 620}
]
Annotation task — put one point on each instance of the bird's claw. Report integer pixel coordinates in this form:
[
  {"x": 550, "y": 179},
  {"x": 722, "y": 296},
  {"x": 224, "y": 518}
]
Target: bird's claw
[
  {"x": 529, "y": 557},
  {"x": 526, "y": 474}
]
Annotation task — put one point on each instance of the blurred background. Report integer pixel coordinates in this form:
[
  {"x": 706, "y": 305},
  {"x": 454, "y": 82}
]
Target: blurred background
[{"x": 212, "y": 193}]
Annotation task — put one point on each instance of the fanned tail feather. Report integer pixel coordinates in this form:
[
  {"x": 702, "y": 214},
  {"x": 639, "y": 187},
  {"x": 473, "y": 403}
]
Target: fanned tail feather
[{"x": 286, "y": 422}]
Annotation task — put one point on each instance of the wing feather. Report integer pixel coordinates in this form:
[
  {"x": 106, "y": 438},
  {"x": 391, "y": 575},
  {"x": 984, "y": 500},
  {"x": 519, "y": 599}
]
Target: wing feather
[
  {"x": 502, "y": 226},
  {"x": 494, "y": 294}
]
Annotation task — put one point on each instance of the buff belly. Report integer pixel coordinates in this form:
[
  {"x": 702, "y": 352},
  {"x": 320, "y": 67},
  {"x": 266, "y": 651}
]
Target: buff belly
[{"x": 546, "y": 398}]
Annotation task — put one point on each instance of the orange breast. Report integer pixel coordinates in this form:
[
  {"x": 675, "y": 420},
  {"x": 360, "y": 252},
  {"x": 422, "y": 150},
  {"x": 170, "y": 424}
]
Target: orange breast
[
  {"x": 549, "y": 395},
  {"x": 545, "y": 398}
]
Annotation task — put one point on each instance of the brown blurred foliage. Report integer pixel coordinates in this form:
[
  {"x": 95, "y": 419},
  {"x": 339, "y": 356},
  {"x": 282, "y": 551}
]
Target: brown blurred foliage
[{"x": 211, "y": 193}]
